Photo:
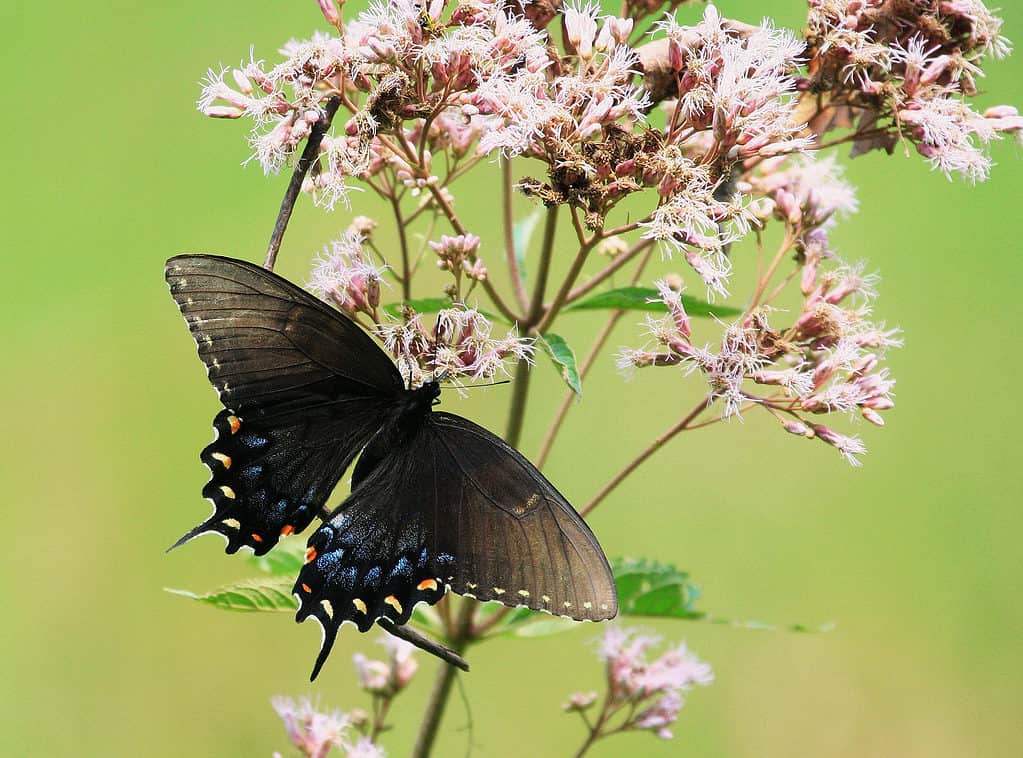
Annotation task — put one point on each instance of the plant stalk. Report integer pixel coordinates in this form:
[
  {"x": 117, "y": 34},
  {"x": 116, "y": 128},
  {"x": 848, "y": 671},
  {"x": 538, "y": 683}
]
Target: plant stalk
[{"x": 462, "y": 636}]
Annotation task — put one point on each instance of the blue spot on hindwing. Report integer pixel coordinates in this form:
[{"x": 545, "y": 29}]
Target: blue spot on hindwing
[
  {"x": 372, "y": 578},
  {"x": 402, "y": 568},
  {"x": 422, "y": 558},
  {"x": 254, "y": 441},
  {"x": 346, "y": 578},
  {"x": 249, "y": 473},
  {"x": 330, "y": 562}
]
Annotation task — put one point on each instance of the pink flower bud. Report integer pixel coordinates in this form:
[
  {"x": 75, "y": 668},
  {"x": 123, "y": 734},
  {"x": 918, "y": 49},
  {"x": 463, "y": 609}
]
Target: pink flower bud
[
  {"x": 621, "y": 28},
  {"x": 798, "y": 428},
  {"x": 872, "y": 416},
  {"x": 934, "y": 70},
  {"x": 789, "y": 206},
  {"x": 810, "y": 268},
  {"x": 242, "y": 81},
  {"x": 223, "y": 111},
  {"x": 1001, "y": 111},
  {"x": 329, "y": 11},
  {"x": 675, "y": 58}
]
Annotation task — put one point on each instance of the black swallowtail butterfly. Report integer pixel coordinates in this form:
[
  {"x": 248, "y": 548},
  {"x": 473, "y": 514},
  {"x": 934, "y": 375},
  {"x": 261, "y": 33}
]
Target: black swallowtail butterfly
[{"x": 437, "y": 502}]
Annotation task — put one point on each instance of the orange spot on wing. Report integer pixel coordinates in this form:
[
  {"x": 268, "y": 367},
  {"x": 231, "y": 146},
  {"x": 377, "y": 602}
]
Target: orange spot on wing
[
  {"x": 235, "y": 423},
  {"x": 310, "y": 555},
  {"x": 392, "y": 601},
  {"x": 307, "y": 588},
  {"x": 287, "y": 529},
  {"x": 256, "y": 537},
  {"x": 427, "y": 584}
]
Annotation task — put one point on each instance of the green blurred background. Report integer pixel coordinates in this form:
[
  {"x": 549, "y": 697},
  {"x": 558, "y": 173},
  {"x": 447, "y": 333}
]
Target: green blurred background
[{"x": 916, "y": 556}]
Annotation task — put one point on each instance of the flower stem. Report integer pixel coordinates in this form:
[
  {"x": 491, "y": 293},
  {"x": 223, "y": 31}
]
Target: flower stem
[
  {"x": 309, "y": 155},
  {"x": 463, "y": 635},
  {"x": 535, "y": 311},
  {"x": 652, "y": 448},
  {"x": 620, "y": 260},
  {"x": 764, "y": 280},
  {"x": 406, "y": 271}
]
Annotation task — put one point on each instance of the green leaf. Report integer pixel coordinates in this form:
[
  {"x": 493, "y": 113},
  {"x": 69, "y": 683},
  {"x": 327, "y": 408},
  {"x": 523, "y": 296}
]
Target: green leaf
[
  {"x": 648, "y": 299},
  {"x": 522, "y": 231},
  {"x": 564, "y": 360},
  {"x": 286, "y": 559},
  {"x": 249, "y": 595},
  {"x": 647, "y": 588},
  {"x": 432, "y": 305}
]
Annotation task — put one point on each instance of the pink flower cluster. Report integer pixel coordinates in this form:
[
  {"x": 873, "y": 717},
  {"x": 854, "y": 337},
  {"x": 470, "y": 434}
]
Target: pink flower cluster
[
  {"x": 650, "y": 692},
  {"x": 826, "y": 361},
  {"x": 906, "y": 69},
  {"x": 459, "y": 346},
  {"x": 315, "y": 734},
  {"x": 344, "y": 277},
  {"x": 387, "y": 678}
]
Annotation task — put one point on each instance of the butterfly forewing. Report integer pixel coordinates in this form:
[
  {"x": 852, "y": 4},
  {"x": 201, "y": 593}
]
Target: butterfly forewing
[
  {"x": 304, "y": 390},
  {"x": 452, "y": 507}
]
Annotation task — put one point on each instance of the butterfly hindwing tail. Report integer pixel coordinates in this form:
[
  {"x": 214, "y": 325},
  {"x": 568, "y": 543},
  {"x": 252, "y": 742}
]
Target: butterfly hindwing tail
[{"x": 350, "y": 575}]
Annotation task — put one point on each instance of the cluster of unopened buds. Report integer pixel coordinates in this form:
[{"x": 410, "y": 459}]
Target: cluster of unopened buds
[
  {"x": 387, "y": 678},
  {"x": 651, "y": 693},
  {"x": 458, "y": 255},
  {"x": 344, "y": 277}
]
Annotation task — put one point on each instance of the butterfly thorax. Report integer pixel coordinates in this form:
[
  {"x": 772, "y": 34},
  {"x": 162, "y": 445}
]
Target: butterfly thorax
[{"x": 402, "y": 425}]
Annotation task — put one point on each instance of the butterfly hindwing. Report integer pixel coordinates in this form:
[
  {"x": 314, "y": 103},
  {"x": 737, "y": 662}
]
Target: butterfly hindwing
[
  {"x": 304, "y": 389},
  {"x": 453, "y": 506}
]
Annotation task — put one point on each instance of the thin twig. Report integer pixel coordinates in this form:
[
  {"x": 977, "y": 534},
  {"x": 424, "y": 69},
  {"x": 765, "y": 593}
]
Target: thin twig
[
  {"x": 308, "y": 157},
  {"x": 566, "y": 287},
  {"x": 764, "y": 280},
  {"x": 616, "y": 263},
  {"x": 516, "y": 413},
  {"x": 406, "y": 273},
  {"x": 584, "y": 369},
  {"x": 652, "y": 448}
]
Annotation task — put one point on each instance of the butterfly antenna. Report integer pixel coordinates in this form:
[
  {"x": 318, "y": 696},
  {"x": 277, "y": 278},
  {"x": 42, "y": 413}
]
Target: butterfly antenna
[{"x": 488, "y": 384}]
